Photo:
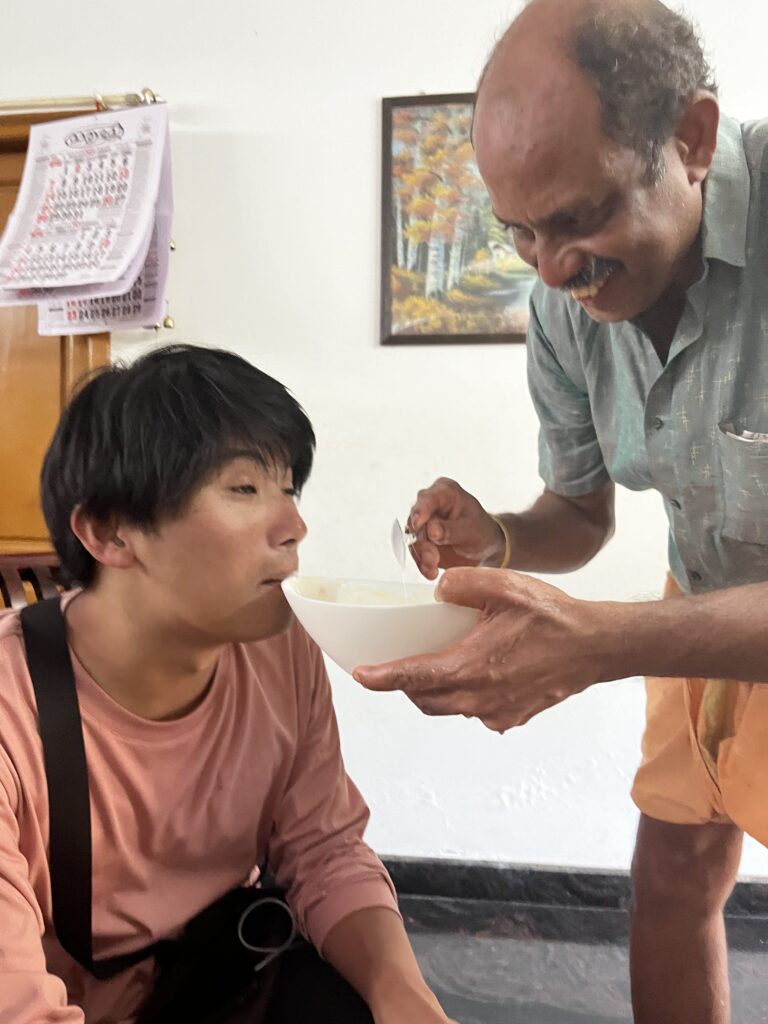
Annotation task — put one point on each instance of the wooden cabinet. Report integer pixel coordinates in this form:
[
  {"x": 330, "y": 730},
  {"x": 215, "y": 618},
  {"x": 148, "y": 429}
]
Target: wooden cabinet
[{"x": 36, "y": 376}]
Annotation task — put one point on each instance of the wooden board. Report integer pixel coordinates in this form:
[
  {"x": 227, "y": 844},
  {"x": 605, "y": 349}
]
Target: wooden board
[{"x": 36, "y": 377}]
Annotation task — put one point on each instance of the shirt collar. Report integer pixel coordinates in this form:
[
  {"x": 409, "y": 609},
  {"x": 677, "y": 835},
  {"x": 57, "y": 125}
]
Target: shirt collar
[{"x": 726, "y": 198}]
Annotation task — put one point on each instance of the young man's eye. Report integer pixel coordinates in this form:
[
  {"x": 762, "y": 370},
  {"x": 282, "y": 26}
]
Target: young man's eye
[
  {"x": 291, "y": 492},
  {"x": 244, "y": 489}
]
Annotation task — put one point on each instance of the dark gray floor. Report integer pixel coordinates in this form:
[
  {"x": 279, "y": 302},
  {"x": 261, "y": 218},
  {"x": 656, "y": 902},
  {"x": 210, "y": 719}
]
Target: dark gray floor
[{"x": 496, "y": 962}]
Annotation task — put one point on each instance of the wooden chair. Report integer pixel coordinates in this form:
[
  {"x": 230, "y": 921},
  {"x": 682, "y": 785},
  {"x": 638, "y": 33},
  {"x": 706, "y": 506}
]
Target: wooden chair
[{"x": 25, "y": 579}]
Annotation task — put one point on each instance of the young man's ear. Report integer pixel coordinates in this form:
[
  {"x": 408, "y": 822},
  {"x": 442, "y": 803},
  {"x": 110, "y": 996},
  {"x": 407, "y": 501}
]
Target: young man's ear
[
  {"x": 696, "y": 134},
  {"x": 101, "y": 539}
]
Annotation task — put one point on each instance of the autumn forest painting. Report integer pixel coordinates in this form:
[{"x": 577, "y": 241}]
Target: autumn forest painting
[{"x": 450, "y": 271}]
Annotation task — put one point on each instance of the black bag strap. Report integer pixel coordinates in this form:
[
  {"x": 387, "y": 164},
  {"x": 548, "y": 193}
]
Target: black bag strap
[{"x": 66, "y": 771}]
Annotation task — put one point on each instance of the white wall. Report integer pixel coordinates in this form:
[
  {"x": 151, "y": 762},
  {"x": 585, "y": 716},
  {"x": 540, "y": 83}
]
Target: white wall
[{"x": 275, "y": 115}]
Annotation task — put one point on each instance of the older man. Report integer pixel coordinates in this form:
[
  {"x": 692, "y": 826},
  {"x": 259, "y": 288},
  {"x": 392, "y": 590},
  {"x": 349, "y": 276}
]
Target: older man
[{"x": 599, "y": 136}]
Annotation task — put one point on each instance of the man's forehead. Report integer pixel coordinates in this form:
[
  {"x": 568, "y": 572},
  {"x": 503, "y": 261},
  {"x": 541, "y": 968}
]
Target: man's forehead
[
  {"x": 538, "y": 168},
  {"x": 542, "y": 116}
]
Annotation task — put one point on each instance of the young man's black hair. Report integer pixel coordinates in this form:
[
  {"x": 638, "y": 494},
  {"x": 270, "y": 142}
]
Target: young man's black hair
[{"x": 137, "y": 440}]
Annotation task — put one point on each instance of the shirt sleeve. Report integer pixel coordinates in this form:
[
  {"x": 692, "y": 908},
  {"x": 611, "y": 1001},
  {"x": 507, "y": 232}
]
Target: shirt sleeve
[
  {"x": 317, "y": 850},
  {"x": 570, "y": 458},
  {"x": 29, "y": 994}
]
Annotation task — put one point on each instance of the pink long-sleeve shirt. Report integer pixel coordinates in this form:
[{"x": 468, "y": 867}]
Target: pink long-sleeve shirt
[{"x": 181, "y": 812}]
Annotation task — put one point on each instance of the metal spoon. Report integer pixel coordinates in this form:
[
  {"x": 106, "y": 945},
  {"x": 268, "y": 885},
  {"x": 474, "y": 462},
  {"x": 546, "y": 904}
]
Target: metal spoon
[{"x": 402, "y": 539}]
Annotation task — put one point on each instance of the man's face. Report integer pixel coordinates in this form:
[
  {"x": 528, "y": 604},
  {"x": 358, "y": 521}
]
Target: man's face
[
  {"x": 580, "y": 208},
  {"x": 213, "y": 574}
]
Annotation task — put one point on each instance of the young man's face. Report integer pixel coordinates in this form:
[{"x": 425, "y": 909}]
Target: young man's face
[{"x": 213, "y": 574}]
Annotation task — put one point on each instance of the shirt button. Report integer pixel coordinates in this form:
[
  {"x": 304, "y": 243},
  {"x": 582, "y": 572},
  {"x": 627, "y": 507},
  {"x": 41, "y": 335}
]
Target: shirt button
[
  {"x": 675, "y": 504},
  {"x": 657, "y": 423},
  {"x": 695, "y": 576}
]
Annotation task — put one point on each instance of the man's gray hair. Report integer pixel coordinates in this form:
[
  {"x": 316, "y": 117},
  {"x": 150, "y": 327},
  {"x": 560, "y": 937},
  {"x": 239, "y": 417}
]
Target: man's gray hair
[{"x": 646, "y": 62}]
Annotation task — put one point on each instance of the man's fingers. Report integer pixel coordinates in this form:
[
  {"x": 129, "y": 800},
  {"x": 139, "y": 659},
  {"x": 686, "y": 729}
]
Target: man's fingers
[
  {"x": 436, "y": 705},
  {"x": 427, "y": 558},
  {"x": 475, "y": 588},
  {"x": 408, "y": 674},
  {"x": 449, "y": 532},
  {"x": 424, "y": 511},
  {"x": 436, "y": 501}
]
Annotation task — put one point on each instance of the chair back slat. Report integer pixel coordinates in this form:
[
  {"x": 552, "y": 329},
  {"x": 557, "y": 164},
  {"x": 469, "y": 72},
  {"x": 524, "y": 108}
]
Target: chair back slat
[{"x": 26, "y": 579}]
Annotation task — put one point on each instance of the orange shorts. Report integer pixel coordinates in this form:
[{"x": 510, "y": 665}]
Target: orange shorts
[{"x": 705, "y": 752}]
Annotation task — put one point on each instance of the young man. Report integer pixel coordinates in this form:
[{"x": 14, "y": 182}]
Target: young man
[{"x": 211, "y": 745}]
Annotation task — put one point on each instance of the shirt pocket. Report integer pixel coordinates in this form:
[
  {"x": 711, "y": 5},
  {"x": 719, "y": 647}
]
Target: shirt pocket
[{"x": 745, "y": 487}]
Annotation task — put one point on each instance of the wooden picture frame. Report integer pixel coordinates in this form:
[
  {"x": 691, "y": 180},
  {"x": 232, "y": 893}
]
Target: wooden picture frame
[{"x": 449, "y": 270}]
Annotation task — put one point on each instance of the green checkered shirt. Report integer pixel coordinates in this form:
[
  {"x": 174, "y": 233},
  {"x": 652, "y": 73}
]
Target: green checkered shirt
[{"x": 608, "y": 409}]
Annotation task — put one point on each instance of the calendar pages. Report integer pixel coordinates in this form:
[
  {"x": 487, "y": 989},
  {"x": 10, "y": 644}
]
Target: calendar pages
[{"x": 89, "y": 237}]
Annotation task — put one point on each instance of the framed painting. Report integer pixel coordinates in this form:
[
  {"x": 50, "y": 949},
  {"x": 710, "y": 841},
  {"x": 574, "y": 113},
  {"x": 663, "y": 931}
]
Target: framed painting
[{"x": 449, "y": 270}]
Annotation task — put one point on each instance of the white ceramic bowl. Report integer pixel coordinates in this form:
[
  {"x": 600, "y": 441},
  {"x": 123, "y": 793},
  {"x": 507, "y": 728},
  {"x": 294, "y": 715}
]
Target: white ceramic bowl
[{"x": 365, "y": 622}]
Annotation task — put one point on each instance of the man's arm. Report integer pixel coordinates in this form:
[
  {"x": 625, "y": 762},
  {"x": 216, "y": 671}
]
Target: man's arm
[
  {"x": 371, "y": 950},
  {"x": 722, "y": 635},
  {"x": 560, "y": 534}
]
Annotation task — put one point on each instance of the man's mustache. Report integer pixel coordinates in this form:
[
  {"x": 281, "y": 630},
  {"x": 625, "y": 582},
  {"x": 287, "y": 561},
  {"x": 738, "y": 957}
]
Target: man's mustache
[{"x": 598, "y": 269}]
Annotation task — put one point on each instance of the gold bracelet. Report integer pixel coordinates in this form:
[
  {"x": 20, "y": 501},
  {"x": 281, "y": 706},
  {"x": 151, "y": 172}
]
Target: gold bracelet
[{"x": 507, "y": 541}]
